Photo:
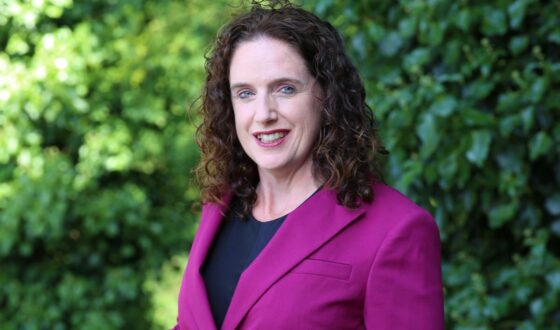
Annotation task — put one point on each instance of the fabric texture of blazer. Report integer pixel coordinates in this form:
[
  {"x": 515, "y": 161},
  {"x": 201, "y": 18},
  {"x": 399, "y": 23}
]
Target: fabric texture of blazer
[{"x": 329, "y": 267}]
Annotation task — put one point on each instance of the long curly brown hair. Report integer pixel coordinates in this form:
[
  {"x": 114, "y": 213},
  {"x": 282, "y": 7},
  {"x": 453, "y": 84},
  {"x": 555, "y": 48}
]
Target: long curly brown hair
[{"x": 345, "y": 153}]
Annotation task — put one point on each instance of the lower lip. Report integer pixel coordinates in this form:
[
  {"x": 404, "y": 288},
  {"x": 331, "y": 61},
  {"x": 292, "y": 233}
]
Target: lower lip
[{"x": 273, "y": 144}]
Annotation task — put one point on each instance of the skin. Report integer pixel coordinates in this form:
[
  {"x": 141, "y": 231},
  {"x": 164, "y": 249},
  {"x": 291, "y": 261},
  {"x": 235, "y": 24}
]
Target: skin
[{"x": 277, "y": 109}]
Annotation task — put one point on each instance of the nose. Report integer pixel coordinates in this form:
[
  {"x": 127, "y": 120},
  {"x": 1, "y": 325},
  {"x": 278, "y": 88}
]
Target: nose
[{"x": 266, "y": 109}]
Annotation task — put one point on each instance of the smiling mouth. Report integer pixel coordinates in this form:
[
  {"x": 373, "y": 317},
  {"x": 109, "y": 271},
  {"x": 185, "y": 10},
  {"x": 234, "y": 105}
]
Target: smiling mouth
[{"x": 271, "y": 137}]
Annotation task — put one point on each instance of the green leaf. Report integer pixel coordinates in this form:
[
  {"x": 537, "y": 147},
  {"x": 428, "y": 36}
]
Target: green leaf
[
  {"x": 554, "y": 36},
  {"x": 538, "y": 89},
  {"x": 391, "y": 44},
  {"x": 447, "y": 170},
  {"x": 436, "y": 32},
  {"x": 359, "y": 44},
  {"x": 473, "y": 117},
  {"x": 480, "y": 144},
  {"x": 508, "y": 102},
  {"x": 501, "y": 214},
  {"x": 479, "y": 89},
  {"x": 463, "y": 19},
  {"x": 444, "y": 106},
  {"x": 508, "y": 124},
  {"x": 516, "y": 12},
  {"x": 322, "y": 6},
  {"x": 510, "y": 159},
  {"x": 416, "y": 59},
  {"x": 553, "y": 280},
  {"x": 412, "y": 169},
  {"x": 427, "y": 132},
  {"x": 528, "y": 118},
  {"x": 494, "y": 22},
  {"x": 539, "y": 145},
  {"x": 537, "y": 307},
  {"x": 553, "y": 204},
  {"x": 518, "y": 44},
  {"x": 17, "y": 45},
  {"x": 407, "y": 26},
  {"x": 555, "y": 227},
  {"x": 376, "y": 32}
]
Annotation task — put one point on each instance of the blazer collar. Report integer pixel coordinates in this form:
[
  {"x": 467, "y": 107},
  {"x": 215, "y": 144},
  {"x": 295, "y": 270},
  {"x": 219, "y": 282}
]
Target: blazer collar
[
  {"x": 304, "y": 231},
  {"x": 211, "y": 220}
]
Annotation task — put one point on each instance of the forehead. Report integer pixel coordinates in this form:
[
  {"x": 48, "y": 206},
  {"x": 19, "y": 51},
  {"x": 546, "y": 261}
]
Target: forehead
[{"x": 266, "y": 58}]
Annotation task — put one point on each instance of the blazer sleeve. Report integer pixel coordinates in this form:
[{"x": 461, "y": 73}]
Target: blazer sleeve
[{"x": 404, "y": 289}]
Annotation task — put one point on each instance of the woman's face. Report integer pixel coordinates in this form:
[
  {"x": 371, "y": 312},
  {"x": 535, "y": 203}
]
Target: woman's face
[{"x": 276, "y": 104}]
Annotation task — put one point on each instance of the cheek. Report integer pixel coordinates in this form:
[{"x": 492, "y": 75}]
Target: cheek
[
  {"x": 313, "y": 119},
  {"x": 238, "y": 128},
  {"x": 240, "y": 125},
  {"x": 238, "y": 121}
]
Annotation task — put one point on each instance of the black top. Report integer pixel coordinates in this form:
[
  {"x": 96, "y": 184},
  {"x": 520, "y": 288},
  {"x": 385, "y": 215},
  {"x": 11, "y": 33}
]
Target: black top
[{"x": 237, "y": 244}]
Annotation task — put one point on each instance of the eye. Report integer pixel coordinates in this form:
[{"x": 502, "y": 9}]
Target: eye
[
  {"x": 244, "y": 94},
  {"x": 288, "y": 90}
]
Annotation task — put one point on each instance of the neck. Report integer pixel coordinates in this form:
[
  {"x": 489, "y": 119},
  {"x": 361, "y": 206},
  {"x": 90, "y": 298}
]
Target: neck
[{"x": 280, "y": 193}]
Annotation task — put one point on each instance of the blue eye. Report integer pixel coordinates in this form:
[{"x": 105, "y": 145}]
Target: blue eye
[
  {"x": 287, "y": 90},
  {"x": 244, "y": 94}
]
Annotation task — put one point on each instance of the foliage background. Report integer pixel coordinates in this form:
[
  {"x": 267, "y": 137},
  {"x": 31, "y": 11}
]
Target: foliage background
[{"x": 96, "y": 150}]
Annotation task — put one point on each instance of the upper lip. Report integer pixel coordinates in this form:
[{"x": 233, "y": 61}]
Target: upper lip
[{"x": 256, "y": 134}]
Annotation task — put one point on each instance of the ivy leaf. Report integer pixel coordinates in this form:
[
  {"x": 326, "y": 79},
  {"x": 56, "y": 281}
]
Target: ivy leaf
[
  {"x": 411, "y": 171},
  {"x": 480, "y": 144},
  {"x": 428, "y": 133},
  {"x": 473, "y": 117},
  {"x": 553, "y": 204},
  {"x": 539, "y": 145},
  {"x": 391, "y": 44},
  {"x": 407, "y": 26},
  {"x": 518, "y": 44},
  {"x": 501, "y": 214},
  {"x": 538, "y": 89},
  {"x": 516, "y": 12},
  {"x": 553, "y": 280},
  {"x": 494, "y": 23},
  {"x": 448, "y": 169},
  {"x": 416, "y": 59},
  {"x": 528, "y": 118},
  {"x": 508, "y": 124},
  {"x": 444, "y": 106},
  {"x": 478, "y": 90},
  {"x": 435, "y": 33},
  {"x": 537, "y": 306},
  {"x": 555, "y": 227},
  {"x": 464, "y": 19}
]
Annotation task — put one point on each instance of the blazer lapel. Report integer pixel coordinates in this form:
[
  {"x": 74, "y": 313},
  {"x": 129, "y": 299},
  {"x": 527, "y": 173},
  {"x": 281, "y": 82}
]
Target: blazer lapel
[
  {"x": 196, "y": 297},
  {"x": 305, "y": 230}
]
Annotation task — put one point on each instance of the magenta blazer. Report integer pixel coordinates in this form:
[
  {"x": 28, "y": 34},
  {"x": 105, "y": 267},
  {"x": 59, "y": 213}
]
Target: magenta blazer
[{"x": 329, "y": 267}]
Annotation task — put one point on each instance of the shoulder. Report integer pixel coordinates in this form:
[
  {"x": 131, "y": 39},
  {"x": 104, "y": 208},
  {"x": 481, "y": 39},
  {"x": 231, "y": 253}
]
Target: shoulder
[
  {"x": 404, "y": 280},
  {"x": 390, "y": 202},
  {"x": 392, "y": 210}
]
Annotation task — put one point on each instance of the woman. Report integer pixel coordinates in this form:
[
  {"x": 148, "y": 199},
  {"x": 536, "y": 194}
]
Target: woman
[{"x": 297, "y": 231}]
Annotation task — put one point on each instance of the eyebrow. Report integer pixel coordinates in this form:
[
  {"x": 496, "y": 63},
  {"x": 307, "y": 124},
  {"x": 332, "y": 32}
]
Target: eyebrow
[{"x": 274, "y": 82}]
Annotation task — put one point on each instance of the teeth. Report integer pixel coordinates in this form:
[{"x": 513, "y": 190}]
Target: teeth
[{"x": 267, "y": 138}]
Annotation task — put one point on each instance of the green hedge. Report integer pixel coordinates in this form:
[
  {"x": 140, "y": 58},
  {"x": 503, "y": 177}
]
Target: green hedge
[
  {"x": 95, "y": 155},
  {"x": 96, "y": 151},
  {"x": 467, "y": 98}
]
